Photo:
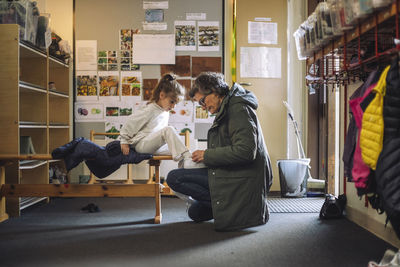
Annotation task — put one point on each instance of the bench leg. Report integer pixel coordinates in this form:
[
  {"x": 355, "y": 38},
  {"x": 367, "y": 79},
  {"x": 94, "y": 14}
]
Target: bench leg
[
  {"x": 3, "y": 214},
  {"x": 158, "y": 217}
]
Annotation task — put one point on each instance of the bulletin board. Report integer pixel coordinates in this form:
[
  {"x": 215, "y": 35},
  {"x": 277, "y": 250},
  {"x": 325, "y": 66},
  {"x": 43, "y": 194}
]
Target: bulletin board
[{"x": 105, "y": 96}]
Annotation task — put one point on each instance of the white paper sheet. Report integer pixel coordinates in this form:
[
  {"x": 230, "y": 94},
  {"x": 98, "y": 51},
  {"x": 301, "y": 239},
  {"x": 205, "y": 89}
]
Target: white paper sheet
[
  {"x": 154, "y": 26},
  {"x": 153, "y": 49},
  {"x": 208, "y": 35},
  {"x": 196, "y": 16},
  {"x": 260, "y": 62},
  {"x": 262, "y": 32},
  {"x": 155, "y": 5},
  {"x": 185, "y": 35},
  {"x": 86, "y": 55}
]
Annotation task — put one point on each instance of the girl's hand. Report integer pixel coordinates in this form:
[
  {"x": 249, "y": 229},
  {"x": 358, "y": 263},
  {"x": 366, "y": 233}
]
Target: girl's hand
[
  {"x": 125, "y": 149},
  {"x": 198, "y": 156}
]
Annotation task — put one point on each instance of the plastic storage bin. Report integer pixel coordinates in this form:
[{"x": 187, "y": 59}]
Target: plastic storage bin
[
  {"x": 293, "y": 177},
  {"x": 21, "y": 12}
]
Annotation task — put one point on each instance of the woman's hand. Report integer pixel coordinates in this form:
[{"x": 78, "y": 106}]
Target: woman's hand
[
  {"x": 125, "y": 149},
  {"x": 198, "y": 156}
]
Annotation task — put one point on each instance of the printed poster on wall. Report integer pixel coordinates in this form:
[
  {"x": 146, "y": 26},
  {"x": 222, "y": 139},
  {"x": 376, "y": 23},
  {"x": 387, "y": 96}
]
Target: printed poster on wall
[
  {"x": 86, "y": 55},
  {"x": 86, "y": 86},
  {"x": 208, "y": 35},
  {"x": 125, "y": 36},
  {"x": 260, "y": 62},
  {"x": 131, "y": 85},
  {"x": 185, "y": 35},
  {"x": 108, "y": 85},
  {"x": 107, "y": 61},
  {"x": 88, "y": 112},
  {"x": 262, "y": 32}
]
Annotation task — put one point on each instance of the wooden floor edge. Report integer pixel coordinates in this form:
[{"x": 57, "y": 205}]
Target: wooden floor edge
[{"x": 374, "y": 226}]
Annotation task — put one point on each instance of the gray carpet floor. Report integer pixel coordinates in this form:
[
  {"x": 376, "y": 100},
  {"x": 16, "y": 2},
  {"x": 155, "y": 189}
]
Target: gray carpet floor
[{"x": 123, "y": 234}]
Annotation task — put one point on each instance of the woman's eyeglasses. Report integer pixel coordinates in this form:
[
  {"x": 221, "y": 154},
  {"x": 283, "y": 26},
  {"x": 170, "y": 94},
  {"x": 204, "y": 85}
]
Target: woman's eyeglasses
[{"x": 202, "y": 100}]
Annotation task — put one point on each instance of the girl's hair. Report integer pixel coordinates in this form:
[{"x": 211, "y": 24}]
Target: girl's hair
[
  {"x": 208, "y": 83},
  {"x": 169, "y": 86}
]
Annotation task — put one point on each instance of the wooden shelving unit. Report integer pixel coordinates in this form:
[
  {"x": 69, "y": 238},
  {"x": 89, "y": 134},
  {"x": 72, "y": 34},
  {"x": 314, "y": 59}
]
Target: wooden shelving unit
[{"x": 30, "y": 108}]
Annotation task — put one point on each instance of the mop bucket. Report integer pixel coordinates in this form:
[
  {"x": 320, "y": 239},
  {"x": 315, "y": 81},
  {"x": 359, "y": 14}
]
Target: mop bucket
[{"x": 293, "y": 177}]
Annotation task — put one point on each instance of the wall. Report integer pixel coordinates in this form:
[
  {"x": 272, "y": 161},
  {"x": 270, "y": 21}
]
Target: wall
[{"x": 101, "y": 20}]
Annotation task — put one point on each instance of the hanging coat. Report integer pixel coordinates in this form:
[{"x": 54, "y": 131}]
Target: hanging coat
[
  {"x": 371, "y": 137},
  {"x": 388, "y": 166},
  {"x": 351, "y": 136}
]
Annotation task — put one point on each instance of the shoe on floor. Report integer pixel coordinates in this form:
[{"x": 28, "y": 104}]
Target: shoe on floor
[
  {"x": 188, "y": 199},
  {"x": 188, "y": 163}
]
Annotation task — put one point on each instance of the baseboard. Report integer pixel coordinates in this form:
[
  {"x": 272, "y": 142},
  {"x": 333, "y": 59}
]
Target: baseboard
[{"x": 372, "y": 225}]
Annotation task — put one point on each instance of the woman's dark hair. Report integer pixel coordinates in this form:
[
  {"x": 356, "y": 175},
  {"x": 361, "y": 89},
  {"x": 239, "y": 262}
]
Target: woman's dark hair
[
  {"x": 208, "y": 83},
  {"x": 169, "y": 86}
]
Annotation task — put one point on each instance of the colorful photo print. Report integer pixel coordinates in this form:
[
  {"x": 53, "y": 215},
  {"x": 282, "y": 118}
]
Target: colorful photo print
[
  {"x": 86, "y": 85},
  {"x": 135, "y": 67},
  {"x": 125, "y": 111},
  {"x": 125, "y": 67},
  {"x": 102, "y": 60},
  {"x": 147, "y": 89},
  {"x": 112, "y": 111},
  {"x": 185, "y": 35},
  {"x": 131, "y": 83},
  {"x": 125, "y": 54},
  {"x": 208, "y": 35},
  {"x": 126, "y": 60},
  {"x": 112, "y": 67},
  {"x": 111, "y": 54},
  {"x": 183, "y": 112},
  {"x": 108, "y": 85},
  {"x": 113, "y": 127},
  {"x": 102, "y": 54},
  {"x": 102, "y": 67},
  {"x": 154, "y": 15}
]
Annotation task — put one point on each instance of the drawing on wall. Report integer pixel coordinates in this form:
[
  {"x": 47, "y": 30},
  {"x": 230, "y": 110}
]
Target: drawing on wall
[
  {"x": 107, "y": 61},
  {"x": 85, "y": 111},
  {"x": 201, "y": 64},
  {"x": 185, "y": 35},
  {"x": 180, "y": 68},
  {"x": 86, "y": 85},
  {"x": 154, "y": 15},
  {"x": 148, "y": 86},
  {"x": 183, "y": 112},
  {"x": 208, "y": 35},
  {"x": 108, "y": 84}
]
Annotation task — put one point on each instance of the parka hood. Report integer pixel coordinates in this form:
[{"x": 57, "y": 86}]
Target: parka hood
[{"x": 240, "y": 95}]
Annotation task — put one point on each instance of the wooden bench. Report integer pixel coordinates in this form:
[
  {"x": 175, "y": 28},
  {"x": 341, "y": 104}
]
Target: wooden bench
[{"x": 129, "y": 189}]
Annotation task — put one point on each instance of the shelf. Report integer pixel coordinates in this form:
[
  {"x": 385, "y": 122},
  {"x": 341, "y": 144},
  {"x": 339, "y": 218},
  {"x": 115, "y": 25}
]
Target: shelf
[
  {"x": 31, "y": 124},
  {"x": 28, "y": 87},
  {"x": 58, "y": 126},
  {"x": 55, "y": 62},
  {"x": 60, "y": 94},
  {"x": 30, "y": 164},
  {"x": 29, "y": 51}
]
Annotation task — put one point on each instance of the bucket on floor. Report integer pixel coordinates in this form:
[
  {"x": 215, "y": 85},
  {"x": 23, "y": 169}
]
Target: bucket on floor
[{"x": 293, "y": 177}]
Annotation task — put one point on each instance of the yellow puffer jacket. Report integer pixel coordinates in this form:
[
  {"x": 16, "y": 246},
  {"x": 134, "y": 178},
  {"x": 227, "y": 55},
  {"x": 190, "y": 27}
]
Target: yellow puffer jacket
[{"x": 371, "y": 136}]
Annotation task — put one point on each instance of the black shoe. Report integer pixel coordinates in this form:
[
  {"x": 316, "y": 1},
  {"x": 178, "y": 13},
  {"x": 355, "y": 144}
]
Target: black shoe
[{"x": 91, "y": 208}]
